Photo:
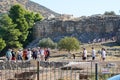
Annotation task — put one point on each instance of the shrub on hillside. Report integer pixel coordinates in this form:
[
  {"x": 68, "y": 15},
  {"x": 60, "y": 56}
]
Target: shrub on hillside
[
  {"x": 69, "y": 44},
  {"x": 47, "y": 42}
]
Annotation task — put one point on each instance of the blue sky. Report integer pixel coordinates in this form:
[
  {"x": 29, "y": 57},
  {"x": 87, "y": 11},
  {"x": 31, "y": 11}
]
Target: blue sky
[{"x": 81, "y": 7}]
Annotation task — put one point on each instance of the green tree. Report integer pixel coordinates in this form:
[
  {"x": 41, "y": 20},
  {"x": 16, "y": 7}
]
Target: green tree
[
  {"x": 17, "y": 14},
  {"x": 8, "y": 31},
  {"x": 109, "y": 13},
  {"x": 25, "y": 21},
  {"x": 2, "y": 44},
  {"x": 69, "y": 44},
  {"x": 38, "y": 17},
  {"x": 47, "y": 42}
]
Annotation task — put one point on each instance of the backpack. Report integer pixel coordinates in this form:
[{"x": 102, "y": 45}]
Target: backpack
[{"x": 13, "y": 54}]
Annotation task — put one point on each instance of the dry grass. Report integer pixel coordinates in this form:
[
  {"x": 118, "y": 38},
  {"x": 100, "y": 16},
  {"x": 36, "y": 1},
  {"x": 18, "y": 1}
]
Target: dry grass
[
  {"x": 97, "y": 46},
  {"x": 112, "y": 58}
]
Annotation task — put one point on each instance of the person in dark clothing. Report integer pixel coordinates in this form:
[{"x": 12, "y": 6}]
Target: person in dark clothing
[
  {"x": 34, "y": 54},
  {"x": 13, "y": 54},
  {"x": 73, "y": 56}
]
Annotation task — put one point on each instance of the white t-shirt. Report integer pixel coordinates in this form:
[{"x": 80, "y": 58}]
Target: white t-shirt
[
  {"x": 29, "y": 53},
  {"x": 93, "y": 52},
  {"x": 85, "y": 53},
  {"x": 20, "y": 53},
  {"x": 103, "y": 54},
  {"x": 42, "y": 52}
]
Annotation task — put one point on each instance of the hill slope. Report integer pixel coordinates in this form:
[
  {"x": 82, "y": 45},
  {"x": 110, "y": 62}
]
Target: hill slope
[{"x": 29, "y": 5}]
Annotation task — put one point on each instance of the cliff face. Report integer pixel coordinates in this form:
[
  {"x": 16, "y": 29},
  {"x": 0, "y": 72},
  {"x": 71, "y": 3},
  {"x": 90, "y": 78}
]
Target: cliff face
[
  {"x": 86, "y": 29},
  {"x": 29, "y": 5},
  {"x": 118, "y": 37}
]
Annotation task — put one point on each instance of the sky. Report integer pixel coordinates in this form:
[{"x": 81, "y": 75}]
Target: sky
[{"x": 79, "y": 8}]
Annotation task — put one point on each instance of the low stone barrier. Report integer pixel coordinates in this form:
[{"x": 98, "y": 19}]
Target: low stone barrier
[
  {"x": 14, "y": 64},
  {"x": 27, "y": 64},
  {"x": 52, "y": 64}
]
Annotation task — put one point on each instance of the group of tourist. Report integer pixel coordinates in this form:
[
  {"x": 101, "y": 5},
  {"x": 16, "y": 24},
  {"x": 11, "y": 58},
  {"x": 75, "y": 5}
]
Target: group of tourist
[
  {"x": 27, "y": 54},
  {"x": 44, "y": 53},
  {"x": 93, "y": 53}
]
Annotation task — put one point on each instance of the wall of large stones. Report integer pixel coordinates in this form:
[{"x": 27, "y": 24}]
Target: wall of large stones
[{"x": 100, "y": 26}]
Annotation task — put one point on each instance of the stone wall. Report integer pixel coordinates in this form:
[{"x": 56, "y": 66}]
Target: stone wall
[
  {"x": 27, "y": 64},
  {"x": 14, "y": 64},
  {"x": 85, "y": 28}
]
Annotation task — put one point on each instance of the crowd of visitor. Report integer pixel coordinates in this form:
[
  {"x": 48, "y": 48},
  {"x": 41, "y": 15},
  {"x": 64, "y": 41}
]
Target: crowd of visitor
[{"x": 27, "y": 54}]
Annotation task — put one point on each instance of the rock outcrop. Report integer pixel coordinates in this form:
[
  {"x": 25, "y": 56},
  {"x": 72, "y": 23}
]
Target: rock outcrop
[
  {"x": 86, "y": 29},
  {"x": 118, "y": 37}
]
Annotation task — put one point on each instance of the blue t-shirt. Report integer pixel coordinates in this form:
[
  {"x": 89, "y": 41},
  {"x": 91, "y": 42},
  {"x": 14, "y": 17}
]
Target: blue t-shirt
[{"x": 8, "y": 54}]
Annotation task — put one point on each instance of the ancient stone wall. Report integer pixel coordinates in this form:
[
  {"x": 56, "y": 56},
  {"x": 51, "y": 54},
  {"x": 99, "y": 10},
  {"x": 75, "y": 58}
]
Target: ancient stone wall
[{"x": 85, "y": 29}]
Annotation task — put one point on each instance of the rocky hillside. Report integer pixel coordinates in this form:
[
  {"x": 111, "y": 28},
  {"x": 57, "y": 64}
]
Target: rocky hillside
[
  {"x": 86, "y": 29},
  {"x": 29, "y": 5}
]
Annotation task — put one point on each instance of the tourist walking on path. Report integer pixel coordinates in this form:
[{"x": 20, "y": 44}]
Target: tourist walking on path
[
  {"x": 9, "y": 54},
  {"x": 73, "y": 56},
  {"x": 29, "y": 54},
  {"x": 19, "y": 54},
  {"x": 103, "y": 54},
  {"x": 38, "y": 53},
  {"x": 13, "y": 54},
  {"x": 42, "y": 54},
  {"x": 46, "y": 53},
  {"x": 93, "y": 53},
  {"x": 25, "y": 54},
  {"x": 84, "y": 56},
  {"x": 34, "y": 53}
]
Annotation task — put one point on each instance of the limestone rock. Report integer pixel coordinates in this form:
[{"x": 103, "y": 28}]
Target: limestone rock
[
  {"x": 118, "y": 37},
  {"x": 86, "y": 29}
]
